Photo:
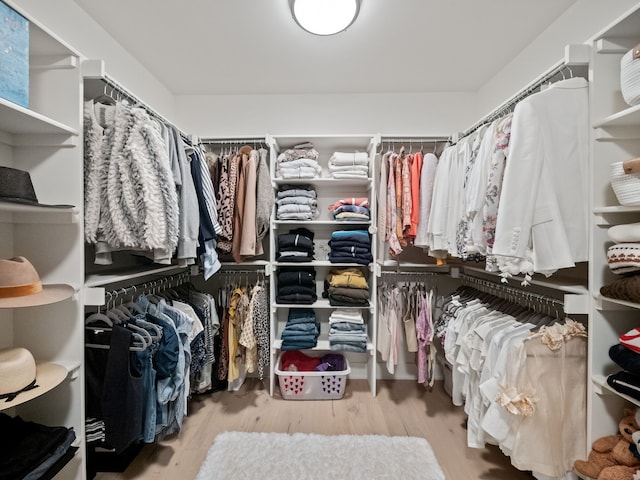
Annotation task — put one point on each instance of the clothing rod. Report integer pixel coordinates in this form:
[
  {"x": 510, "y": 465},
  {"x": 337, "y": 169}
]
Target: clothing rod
[
  {"x": 397, "y": 139},
  {"x": 512, "y": 294},
  {"x": 232, "y": 141},
  {"x": 137, "y": 101},
  {"x": 510, "y": 103},
  {"x": 162, "y": 282},
  {"x": 409, "y": 274},
  {"x": 241, "y": 272}
]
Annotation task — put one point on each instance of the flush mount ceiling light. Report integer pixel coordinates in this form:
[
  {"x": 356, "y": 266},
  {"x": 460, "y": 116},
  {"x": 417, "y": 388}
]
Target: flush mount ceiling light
[{"x": 324, "y": 17}]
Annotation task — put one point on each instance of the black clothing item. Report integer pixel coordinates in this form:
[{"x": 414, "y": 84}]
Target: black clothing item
[
  {"x": 122, "y": 402},
  {"x": 291, "y": 289},
  {"x": 297, "y": 259},
  {"x": 301, "y": 277},
  {"x": 298, "y": 298},
  {"x": 625, "y": 382},
  {"x": 299, "y": 241},
  {"x": 25, "y": 445},
  {"x": 625, "y": 358}
]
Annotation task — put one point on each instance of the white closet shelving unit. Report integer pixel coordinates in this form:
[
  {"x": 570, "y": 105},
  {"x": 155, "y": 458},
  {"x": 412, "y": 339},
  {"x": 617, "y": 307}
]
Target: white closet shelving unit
[
  {"x": 615, "y": 138},
  {"x": 44, "y": 140},
  {"x": 329, "y": 190}
]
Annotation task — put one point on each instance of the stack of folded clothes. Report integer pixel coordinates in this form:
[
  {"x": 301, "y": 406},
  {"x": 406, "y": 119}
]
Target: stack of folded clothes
[
  {"x": 296, "y": 285},
  {"x": 350, "y": 246},
  {"x": 296, "y": 202},
  {"x": 295, "y": 246},
  {"x": 346, "y": 287},
  {"x": 349, "y": 165},
  {"x": 301, "y": 331},
  {"x": 626, "y": 355},
  {"x": 347, "y": 331},
  {"x": 301, "y": 161},
  {"x": 623, "y": 258},
  {"x": 351, "y": 209},
  {"x": 32, "y": 450}
]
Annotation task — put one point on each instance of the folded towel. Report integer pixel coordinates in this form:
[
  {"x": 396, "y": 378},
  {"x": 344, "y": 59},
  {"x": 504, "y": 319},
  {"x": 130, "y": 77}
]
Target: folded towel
[
  {"x": 300, "y": 172},
  {"x": 348, "y": 158}
]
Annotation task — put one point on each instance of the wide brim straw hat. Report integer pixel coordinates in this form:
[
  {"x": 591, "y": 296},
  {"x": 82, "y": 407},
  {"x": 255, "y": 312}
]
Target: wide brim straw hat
[{"x": 21, "y": 379}]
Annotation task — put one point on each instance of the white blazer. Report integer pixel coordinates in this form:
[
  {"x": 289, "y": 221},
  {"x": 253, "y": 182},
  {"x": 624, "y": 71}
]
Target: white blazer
[{"x": 542, "y": 223}]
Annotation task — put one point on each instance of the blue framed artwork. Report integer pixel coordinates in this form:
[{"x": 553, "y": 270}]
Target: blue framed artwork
[{"x": 14, "y": 56}]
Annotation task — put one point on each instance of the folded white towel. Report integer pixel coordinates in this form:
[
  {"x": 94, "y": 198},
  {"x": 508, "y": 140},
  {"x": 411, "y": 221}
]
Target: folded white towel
[
  {"x": 350, "y": 168},
  {"x": 356, "y": 158}
]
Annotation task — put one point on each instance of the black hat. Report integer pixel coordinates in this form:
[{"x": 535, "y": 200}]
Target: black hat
[{"x": 16, "y": 187}]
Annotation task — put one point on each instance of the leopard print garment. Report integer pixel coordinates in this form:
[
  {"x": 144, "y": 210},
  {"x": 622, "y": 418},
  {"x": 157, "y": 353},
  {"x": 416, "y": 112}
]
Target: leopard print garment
[{"x": 227, "y": 196}]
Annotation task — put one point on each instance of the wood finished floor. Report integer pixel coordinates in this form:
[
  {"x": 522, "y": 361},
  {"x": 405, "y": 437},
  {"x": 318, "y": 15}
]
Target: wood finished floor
[{"x": 400, "y": 408}]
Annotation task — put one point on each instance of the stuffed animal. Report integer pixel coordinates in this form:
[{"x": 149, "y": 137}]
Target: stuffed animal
[{"x": 614, "y": 457}]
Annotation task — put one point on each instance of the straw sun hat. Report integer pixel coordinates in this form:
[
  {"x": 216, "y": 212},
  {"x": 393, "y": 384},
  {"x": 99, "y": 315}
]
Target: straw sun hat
[{"x": 21, "y": 379}]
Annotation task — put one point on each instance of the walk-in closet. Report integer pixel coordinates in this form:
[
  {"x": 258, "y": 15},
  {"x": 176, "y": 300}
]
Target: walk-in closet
[{"x": 236, "y": 243}]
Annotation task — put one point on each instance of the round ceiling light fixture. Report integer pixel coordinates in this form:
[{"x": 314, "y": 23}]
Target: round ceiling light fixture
[{"x": 324, "y": 17}]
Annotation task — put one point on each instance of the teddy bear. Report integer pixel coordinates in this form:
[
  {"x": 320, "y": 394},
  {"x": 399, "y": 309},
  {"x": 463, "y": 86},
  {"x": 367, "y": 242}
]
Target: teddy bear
[{"x": 614, "y": 457}]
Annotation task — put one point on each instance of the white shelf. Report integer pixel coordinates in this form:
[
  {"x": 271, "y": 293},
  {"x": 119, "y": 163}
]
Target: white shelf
[
  {"x": 16, "y": 213},
  {"x": 600, "y": 381},
  {"x": 325, "y": 182},
  {"x": 15, "y": 119},
  {"x": 617, "y": 209},
  {"x": 323, "y": 345},
  {"x": 322, "y": 303},
  {"x": 101, "y": 279},
  {"x": 251, "y": 263},
  {"x": 319, "y": 263},
  {"x": 606, "y": 303},
  {"x": 629, "y": 117},
  {"x": 333, "y": 223}
]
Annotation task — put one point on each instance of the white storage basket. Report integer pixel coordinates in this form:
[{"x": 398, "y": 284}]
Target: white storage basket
[
  {"x": 630, "y": 76},
  {"x": 329, "y": 385},
  {"x": 626, "y": 186}
]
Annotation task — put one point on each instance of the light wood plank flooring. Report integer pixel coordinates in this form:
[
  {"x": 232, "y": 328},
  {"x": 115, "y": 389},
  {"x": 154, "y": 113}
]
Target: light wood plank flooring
[{"x": 400, "y": 408}]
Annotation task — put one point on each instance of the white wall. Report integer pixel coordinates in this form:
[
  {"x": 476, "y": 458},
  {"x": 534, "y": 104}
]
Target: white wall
[
  {"x": 248, "y": 115},
  {"x": 578, "y": 24},
  {"x": 66, "y": 20}
]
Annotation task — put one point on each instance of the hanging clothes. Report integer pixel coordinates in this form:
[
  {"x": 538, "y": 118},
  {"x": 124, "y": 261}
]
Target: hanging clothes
[
  {"x": 542, "y": 222},
  {"x": 514, "y": 384},
  {"x": 130, "y": 192}
]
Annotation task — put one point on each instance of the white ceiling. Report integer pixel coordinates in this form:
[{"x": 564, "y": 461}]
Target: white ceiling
[{"x": 255, "y": 47}]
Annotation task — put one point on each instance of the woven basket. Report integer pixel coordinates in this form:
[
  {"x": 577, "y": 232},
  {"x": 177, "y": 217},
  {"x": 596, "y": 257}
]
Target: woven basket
[
  {"x": 626, "y": 186},
  {"x": 630, "y": 76}
]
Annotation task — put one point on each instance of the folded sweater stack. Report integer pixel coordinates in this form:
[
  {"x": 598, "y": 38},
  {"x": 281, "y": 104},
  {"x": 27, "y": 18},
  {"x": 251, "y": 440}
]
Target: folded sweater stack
[
  {"x": 346, "y": 287},
  {"x": 295, "y": 246},
  {"x": 349, "y": 165},
  {"x": 347, "y": 331},
  {"x": 296, "y": 202},
  {"x": 296, "y": 285},
  {"x": 301, "y": 331},
  {"x": 301, "y": 161},
  {"x": 351, "y": 209},
  {"x": 350, "y": 246}
]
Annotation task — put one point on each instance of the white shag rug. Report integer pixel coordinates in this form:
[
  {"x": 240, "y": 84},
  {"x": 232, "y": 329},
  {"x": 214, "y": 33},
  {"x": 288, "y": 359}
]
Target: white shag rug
[{"x": 300, "y": 456}]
